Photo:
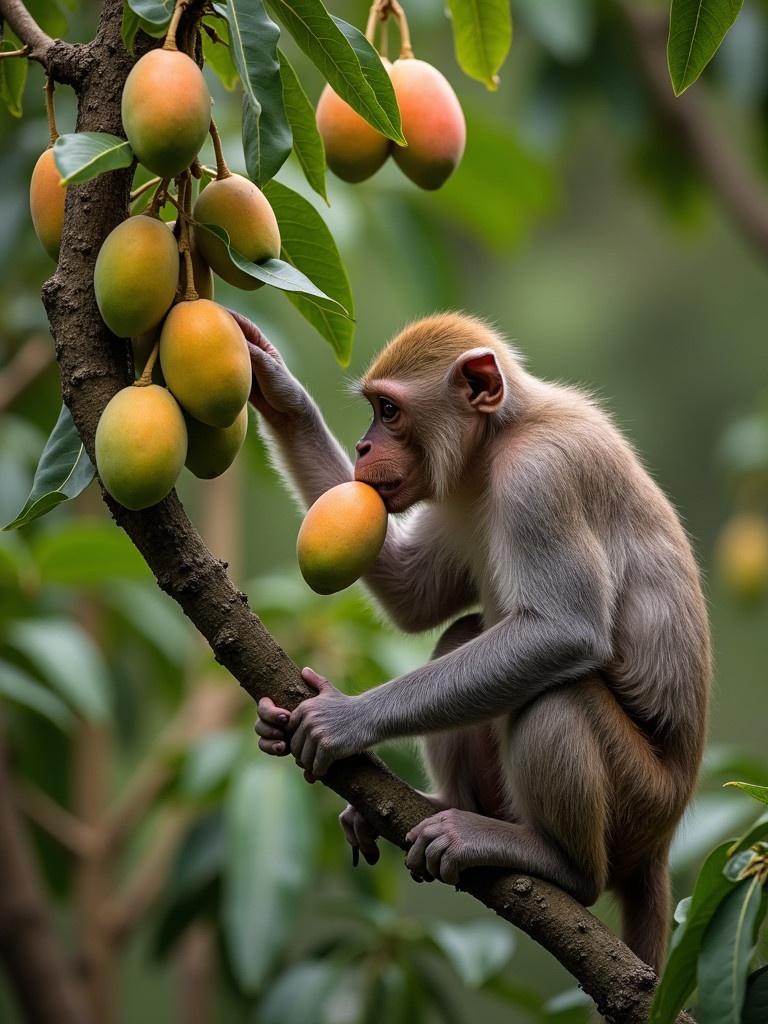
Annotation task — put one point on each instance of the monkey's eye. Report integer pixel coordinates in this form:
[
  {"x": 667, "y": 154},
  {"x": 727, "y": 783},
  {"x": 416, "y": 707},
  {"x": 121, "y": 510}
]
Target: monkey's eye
[{"x": 388, "y": 410}]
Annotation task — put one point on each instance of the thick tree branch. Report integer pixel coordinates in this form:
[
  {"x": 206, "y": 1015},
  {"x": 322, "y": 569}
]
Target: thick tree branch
[
  {"x": 93, "y": 367},
  {"x": 742, "y": 194}
]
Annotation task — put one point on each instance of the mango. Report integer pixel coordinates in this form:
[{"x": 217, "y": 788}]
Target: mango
[
  {"x": 354, "y": 150},
  {"x": 212, "y": 450},
  {"x": 166, "y": 111},
  {"x": 341, "y": 536},
  {"x": 46, "y": 203},
  {"x": 204, "y": 359},
  {"x": 742, "y": 556},
  {"x": 141, "y": 444},
  {"x": 243, "y": 211},
  {"x": 136, "y": 276},
  {"x": 433, "y": 123}
]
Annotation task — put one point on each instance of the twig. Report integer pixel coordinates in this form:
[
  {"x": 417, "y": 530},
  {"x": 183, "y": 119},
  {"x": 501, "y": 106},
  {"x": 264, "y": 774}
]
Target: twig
[
  {"x": 67, "y": 62},
  {"x": 32, "y": 359},
  {"x": 23, "y": 52},
  {"x": 73, "y": 834},
  {"x": 143, "y": 188}
]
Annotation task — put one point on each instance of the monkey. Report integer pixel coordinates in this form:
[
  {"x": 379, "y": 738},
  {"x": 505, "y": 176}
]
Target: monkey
[{"x": 564, "y": 710}]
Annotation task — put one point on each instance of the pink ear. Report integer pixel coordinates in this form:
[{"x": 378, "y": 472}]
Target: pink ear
[{"x": 479, "y": 373}]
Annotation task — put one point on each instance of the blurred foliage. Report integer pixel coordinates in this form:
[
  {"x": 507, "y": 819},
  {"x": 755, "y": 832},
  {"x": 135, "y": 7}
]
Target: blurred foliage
[{"x": 578, "y": 225}]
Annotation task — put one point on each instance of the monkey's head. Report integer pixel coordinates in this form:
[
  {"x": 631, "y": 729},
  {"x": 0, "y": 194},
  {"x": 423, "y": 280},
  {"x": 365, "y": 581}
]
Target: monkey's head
[{"x": 439, "y": 390}]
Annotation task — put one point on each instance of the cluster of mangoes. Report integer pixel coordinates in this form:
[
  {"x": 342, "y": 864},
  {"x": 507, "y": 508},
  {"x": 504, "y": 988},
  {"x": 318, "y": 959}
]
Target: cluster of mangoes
[{"x": 433, "y": 126}]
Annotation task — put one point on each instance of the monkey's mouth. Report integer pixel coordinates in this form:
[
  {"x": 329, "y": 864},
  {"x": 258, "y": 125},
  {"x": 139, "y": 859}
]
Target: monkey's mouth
[{"x": 387, "y": 488}]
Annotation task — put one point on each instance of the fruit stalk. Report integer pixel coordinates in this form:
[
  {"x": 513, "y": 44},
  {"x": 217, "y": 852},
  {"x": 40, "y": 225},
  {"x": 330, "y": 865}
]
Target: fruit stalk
[
  {"x": 146, "y": 377},
  {"x": 222, "y": 171},
  {"x": 22, "y": 52},
  {"x": 50, "y": 109},
  {"x": 137, "y": 192},
  {"x": 184, "y": 189},
  {"x": 170, "y": 39}
]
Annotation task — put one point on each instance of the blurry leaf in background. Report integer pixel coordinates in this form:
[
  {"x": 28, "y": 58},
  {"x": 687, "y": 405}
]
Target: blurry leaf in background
[
  {"x": 270, "y": 828},
  {"x": 482, "y": 35},
  {"x": 68, "y": 660},
  {"x": 723, "y": 760},
  {"x": 13, "y": 75},
  {"x": 218, "y": 55},
  {"x": 85, "y": 552},
  {"x": 570, "y": 1007},
  {"x": 564, "y": 27},
  {"x": 153, "y": 615},
  {"x": 301, "y": 994},
  {"x": 21, "y": 688},
  {"x": 63, "y": 472},
  {"x": 477, "y": 950},
  {"x": 210, "y": 763},
  {"x": 253, "y": 45},
  {"x": 711, "y": 818},
  {"x": 726, "y": 950},
  {"x": 82, "y": 156},
  {"x": 758, "y": 792},
  {"x": 755, "y": 1009},
  {"x": 756, "y": 833},
  {"x": 307, "y": 141},
  {"x": 696, "y": 30},
  {"x": 20, "y": 445},
  {"x": 308, "y": 245}
]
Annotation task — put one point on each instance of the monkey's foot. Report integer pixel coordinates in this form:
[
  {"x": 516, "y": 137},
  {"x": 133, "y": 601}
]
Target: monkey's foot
[{"x": 444, "y": 844}]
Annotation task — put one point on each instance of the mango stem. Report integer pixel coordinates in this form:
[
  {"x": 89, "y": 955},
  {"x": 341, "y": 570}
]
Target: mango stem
[
  {"x": 143, "y": 188},
  {"x": 50, "y": 110},
  {"x": 222, "y": 171},
  {"x": 170, "y": 39},
  {"x": 159, "y": 199},
  {"x": 23, "y": 52},
  {"x": 184, "y": 188},
  {"x": 406, "y": 50},
  {"x": 146, "y": 377}
]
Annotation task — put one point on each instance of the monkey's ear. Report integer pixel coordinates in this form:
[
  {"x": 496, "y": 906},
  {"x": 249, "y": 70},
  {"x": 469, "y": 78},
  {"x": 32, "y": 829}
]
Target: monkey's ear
[{"x": 477, "y": 373}]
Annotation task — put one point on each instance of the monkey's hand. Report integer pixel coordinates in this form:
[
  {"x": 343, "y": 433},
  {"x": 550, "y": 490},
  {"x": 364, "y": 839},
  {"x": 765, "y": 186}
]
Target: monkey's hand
[
  {"x": 441, "y": 847},
  {"x": 360, "y": 834},
  {"x": 327, "y": 727},
  {"x": 275, "y": 392}
]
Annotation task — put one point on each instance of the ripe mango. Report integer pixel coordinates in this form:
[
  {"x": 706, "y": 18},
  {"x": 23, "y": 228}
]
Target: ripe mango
[
  {"x": 211, "y": 450},
  {"x": 341, "y": 536},
  {"x": 354, "y": 149},
  {"x": 433, "y": 123},
  {"x": 46, "y": 203},
  {"x": 742, "y": 556},
  {"x": 205, "y": 361},
  {"x": 141, "y": 444},
  {"x": 166, "y": 111},
  {"x": 243, "y": 211},
  {"x": 136, "y": 275}
]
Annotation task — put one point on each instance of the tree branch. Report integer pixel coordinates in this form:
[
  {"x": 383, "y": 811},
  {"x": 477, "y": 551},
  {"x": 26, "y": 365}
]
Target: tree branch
[
  {"x": 66, "y": 62},
  {"x": 93, "y": 367},
  {"x": 741, "y": 193},
  {"x": 73, "y": 834}
]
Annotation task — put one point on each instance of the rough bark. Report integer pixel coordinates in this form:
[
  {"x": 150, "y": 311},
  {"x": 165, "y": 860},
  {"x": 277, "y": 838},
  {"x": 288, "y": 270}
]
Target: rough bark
[{"x": 93, "y": 366}]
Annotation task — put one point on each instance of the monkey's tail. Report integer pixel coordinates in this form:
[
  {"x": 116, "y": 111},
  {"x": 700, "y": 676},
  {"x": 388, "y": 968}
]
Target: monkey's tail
[{"x": 645, "y": 903}]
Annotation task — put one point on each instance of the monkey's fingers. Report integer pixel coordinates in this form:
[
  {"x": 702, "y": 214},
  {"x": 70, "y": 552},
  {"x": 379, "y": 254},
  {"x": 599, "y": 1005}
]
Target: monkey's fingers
[
  {"x": 277, "y": 748},
  {"x": 254, "y": 335},
  {"x": 365, "y": 837},
  {"x": 415, "y": 859},
  {"x": 272, "y": 714},
  {"x": 269, "y": 732}
]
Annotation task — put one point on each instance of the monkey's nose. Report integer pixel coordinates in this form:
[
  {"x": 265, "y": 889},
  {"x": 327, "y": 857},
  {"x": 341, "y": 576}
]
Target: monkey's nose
[{"x": 362, "y": 448}]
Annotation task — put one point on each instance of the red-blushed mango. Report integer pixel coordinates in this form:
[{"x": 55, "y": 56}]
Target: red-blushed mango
[
  {"x": 136, "y": 276},
  {"x": 341, "y": 536},
  {"x": 212, "y": 450},
  {"x": 433, "y": 123},
  {"x": 742, "y": 556},
  {"x": 354, "y": 150},
  {"x": 243, "y": 211},
  {"x": 46, "y": 203},
  {"x": 205, "y": 362},
  {"x": 166, "y": 111},
  {"x": 141, "y": 445}
]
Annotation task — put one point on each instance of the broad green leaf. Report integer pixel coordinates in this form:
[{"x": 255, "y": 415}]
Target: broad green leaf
[
  {"x": 301, "y": 994},
  {"x": 67, "y": 658},
  {"x": 270, "y": 833},
  {"x": 758, "y": 792},
  {"x": 337, "y": 48},
  {"x": 210, "y": 762},
  {"x": 482, "y": 35},
  {"x": 86, "y": 552},
  {"x": 253, "y": 40},
  {"x": 218, "y": 55},
  {"x": 736, "y": 867},
  {"x": 83, "y": 156},
  {"x": 308, "y": 245},
  {"x": 13, "y": 75},
  {"x": 679, "y": 977},
  {"x": 755, "y": 834},
  {"x": 696, "y": 30},
  {"x": 712, "y": 818},
  {"x": 477, "y": 950},
  {"x": 131, "y": 25},
  {"x": 276, "y": 273},
  {"x": 63, "y": 472},
  {"x": 755, "y": 1009},
  {"x": 21, "y": 688},
  {"x": 156, "y": 13},
  {"x": 725, "y": 954},
  {"x": 307, "y": 141},
  {"x": 565, "y": 28}
]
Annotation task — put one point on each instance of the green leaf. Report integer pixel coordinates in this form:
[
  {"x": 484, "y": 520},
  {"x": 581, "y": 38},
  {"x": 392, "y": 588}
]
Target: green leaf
[
  {"x": 758, "y": 792},
  {"x": 725, "y": 954},
  {"x": 754, "y": 834},
  {"x": 13, "y": 75},
  {"x": 156, "y": 13},
  {"x": 270, "y": 833},
  {"x": 482, "y": 35},
  {"x": 253, "y": 40},
  {"x": 346, "y": 59},
  {"x": 131, "y": 25},
  {"x": 300, "y": 995},
  {"x": 154, "y": 617},
  {"x": 68, "y": 659},
  {"x": 477, "y": 950},
  {"x": 22, "y": 689},
  {"x": 696, "y": 30},
  {"x": 679, "y": 977},
  {"x": 307, "y": 141},
  {"x": 276, "y": 273},
  {"x": 218, "y": 55},
  {"x": 63, "y": 472},
  {"x": 309, "y": 246},
  {"x": 210, "y": 762},
  {"x": 755, "y": 1009},
  {"x": 83, "y": 156},
  {"x": 86, "y": 552}
]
